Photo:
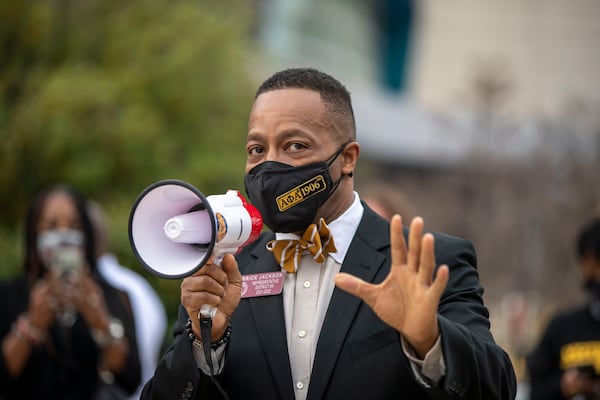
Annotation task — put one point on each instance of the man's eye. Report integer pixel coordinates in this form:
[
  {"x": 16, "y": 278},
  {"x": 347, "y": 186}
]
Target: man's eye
[
  {"x": 254, "y": 150},
  {"x": 296, "y": 147}
]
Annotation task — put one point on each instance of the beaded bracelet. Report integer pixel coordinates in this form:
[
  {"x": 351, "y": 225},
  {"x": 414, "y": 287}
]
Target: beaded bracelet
[
  {"x": 24, "y": 329},
  {"x": 197, "y": 342}
]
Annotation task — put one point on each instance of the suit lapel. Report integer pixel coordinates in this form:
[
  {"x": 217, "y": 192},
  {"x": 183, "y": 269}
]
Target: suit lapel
[
  {"x": 269, "y": 319},
  {"x": 362, "y": 260}
]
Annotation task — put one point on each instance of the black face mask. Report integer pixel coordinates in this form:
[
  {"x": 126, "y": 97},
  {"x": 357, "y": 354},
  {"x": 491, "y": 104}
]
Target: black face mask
[{"x": 289, "y": 197}]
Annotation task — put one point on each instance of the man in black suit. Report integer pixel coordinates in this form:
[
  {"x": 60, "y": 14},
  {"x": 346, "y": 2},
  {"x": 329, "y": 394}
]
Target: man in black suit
[{"x": 371, "y": 317}]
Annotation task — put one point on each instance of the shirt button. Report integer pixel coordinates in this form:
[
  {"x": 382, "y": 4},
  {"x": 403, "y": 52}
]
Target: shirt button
[
  {"x": 306, "y": 284},
  {"x": 300, "y": 385},
  {"x": 302, "y": 333}
]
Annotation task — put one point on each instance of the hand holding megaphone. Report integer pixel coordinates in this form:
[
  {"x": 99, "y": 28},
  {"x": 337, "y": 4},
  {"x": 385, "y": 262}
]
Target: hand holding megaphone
[{"x": 174, "y": 229}]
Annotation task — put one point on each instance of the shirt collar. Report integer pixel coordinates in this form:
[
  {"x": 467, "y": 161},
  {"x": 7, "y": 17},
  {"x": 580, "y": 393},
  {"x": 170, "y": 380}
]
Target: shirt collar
[{"x": 342, "y": 228}]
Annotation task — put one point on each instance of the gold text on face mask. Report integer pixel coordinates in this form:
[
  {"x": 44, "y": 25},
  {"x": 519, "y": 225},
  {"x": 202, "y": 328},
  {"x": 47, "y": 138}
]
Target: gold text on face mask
[{"x": 301, "y": 192}]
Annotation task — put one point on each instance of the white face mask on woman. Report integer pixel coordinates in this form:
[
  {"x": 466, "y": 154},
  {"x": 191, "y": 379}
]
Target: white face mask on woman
[{"x": 62, "y": 249}]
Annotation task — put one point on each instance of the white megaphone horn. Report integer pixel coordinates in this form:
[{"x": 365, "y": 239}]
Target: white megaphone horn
[{"x": 174, "y": 229}]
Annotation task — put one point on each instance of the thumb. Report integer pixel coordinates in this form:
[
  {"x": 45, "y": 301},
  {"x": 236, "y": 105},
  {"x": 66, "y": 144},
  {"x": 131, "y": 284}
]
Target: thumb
[
  {"x": 354, "y": 286},
  {"x": 230, "y": 266}
]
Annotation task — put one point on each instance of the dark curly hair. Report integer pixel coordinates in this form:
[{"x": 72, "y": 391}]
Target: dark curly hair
[{"x": 335, "y": 96}]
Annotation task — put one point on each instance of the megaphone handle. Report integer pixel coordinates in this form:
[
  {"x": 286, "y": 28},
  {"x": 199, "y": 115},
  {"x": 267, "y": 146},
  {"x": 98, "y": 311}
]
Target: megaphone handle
[
  {"x": 205, "y": 330},
  {"x": 206, "y": 310}
]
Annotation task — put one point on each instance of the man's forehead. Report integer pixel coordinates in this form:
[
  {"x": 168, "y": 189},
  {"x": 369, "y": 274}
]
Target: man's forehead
[
  {"x": 293, "y": 95},
  {"x": 290, "y": 104}
]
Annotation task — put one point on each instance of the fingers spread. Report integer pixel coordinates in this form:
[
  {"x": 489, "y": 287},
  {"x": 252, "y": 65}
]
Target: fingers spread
[
  {"x": 441, "y": 280},
  {"x": 414, "y": 243},
  {"x": 397, "y": 241},
  {"x": 427, "y": 260},
  {"x": 355, "y": 286}
]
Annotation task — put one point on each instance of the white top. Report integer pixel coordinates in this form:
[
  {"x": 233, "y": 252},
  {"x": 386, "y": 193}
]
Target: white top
[{"x": 150, "y": 317}]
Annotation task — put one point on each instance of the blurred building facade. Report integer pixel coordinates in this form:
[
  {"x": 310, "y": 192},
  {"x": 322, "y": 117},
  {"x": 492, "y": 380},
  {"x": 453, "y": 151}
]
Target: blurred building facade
[
  {"x": 547, "y": 51},
  {"x": 434, "y": 68}
]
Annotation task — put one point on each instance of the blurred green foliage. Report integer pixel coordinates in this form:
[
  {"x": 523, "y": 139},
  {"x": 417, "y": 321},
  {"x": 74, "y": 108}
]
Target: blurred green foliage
[{"x": 112, "y": 96}]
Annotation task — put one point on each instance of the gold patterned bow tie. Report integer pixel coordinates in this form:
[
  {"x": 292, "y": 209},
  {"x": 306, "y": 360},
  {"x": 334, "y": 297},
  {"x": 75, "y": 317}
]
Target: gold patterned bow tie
[{"x": 317, "y": 240}]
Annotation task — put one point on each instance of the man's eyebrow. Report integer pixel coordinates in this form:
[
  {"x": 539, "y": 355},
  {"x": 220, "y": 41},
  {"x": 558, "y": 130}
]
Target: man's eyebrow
[
  {"x": 253, "y": 136},
  {"x": 293, "y": 133},
  {"x": 283, "y": 135}
]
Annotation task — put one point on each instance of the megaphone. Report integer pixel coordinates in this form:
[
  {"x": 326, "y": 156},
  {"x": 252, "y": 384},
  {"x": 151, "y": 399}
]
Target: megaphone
[{"x": 174, "y": 229}]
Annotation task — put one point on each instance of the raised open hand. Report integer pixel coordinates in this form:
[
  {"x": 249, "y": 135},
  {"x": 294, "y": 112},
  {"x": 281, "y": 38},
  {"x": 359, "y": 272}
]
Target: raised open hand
[{"x": 408, "y": 298}]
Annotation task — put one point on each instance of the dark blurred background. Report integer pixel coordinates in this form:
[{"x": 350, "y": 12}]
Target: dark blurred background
[{"x": 484, "y": 115}]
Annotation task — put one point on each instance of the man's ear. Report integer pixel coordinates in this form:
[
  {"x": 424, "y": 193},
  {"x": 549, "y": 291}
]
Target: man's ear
[{"x": 349, "y": 158}]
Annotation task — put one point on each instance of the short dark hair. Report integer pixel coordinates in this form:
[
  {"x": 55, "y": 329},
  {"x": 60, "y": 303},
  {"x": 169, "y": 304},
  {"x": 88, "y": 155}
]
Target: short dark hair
[
  {"x": 588, "y": 242},
  {"x": 335, "y": 95}
]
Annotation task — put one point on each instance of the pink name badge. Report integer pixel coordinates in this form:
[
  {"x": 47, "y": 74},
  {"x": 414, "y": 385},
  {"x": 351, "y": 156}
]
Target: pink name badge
[{"x": 263, "y": 284}]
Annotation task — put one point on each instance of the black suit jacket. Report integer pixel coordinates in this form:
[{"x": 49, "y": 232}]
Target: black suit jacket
[{"x": 358, "y": 356}]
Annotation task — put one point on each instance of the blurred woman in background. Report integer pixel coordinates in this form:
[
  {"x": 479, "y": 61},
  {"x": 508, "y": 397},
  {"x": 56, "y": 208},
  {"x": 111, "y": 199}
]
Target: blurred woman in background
[{"x": 65, "y": 332}]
